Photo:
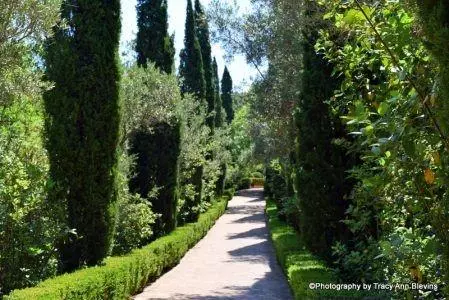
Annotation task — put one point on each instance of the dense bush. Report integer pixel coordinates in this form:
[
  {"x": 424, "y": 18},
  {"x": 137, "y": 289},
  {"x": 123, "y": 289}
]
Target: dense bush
[
  {"x": 29, "y": 224},
  {"x": 157, "y": 167},
  {"x": 245, "y": 183},
  {"x": 194, "y": 139},
  {"x": 300, "y": 266},
  {"x": 135, "y": 218},
  {"x": 152, "y": 136},
  {"x": 123, "y": 276},
  {"x": 396, "y": 213}
]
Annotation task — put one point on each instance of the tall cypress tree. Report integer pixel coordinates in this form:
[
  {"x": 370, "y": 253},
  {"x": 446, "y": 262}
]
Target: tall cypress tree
[
  {"x": 191, "y": 65},
  {"x": 226, "y": 95},
  {"x": 82, "y": 126},
  {"x": 153, "y": 42},
  {"x": 202, "y": 29},
  {"x": 218, "y": 104},
  {"x": 321, "y": 179},
  {"x": 193, "y": 81}
]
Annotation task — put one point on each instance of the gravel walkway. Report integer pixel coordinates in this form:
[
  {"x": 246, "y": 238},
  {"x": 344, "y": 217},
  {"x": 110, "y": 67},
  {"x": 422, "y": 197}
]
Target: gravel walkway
[{"x": 235, "y": 260}]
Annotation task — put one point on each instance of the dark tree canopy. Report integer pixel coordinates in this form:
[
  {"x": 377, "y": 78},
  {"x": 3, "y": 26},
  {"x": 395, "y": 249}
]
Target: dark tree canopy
[
  {"x": 191, "y": 70},
  {"x": 322, "y": 182},
  {"x": 202, "y": 29},
  {"x": 153, "y": 42},
  {"x": 83, "y": 126},
  {"x": 226, "y": 95}
]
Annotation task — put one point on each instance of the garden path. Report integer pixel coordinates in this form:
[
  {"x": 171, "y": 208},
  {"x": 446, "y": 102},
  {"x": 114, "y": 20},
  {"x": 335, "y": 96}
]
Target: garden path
[{"x": 235, "y": 260}]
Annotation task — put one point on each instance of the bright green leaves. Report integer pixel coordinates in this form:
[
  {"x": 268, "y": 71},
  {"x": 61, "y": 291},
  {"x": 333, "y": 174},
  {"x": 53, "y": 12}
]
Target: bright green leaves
[
  {"x": 383, "y": 108},
  {"x": 401, "y": 175}
]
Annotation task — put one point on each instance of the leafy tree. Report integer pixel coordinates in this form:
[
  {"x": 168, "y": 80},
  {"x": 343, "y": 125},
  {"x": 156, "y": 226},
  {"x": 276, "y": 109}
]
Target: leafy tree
[
  {"x": 191, "y": 70},
  {"x": 226, "y": 95},
  {"x": 202, "y": 29},
  {"x": 152, "y": 135},
  {"x": 153, "y": 42},
  {"x": 83, "y": 126},
  {"x": 29, "y": 224}
]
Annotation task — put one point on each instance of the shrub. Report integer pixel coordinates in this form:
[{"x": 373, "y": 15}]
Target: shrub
[
  {"x": 244, "y": 183},
  {"x": 123, "y": 276},
  {"x": 28, "y": 221},
  {"x": 157, "y": 152},
  {"x": 299, "y": 265},
  {"x": 257, "y": 174}
]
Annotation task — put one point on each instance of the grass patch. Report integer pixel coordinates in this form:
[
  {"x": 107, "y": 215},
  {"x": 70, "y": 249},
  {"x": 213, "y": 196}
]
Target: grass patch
[
  {"x": 122, "y": 276},
  {"x": 300, "y": 266}
]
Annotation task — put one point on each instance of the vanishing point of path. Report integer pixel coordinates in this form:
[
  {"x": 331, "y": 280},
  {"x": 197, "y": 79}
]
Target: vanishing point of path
[{"x": 235, "y": 260}]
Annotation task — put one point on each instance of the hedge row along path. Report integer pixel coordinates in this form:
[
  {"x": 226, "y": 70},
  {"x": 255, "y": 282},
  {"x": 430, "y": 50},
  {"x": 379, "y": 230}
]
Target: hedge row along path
[{"x": 235, "y": 260}]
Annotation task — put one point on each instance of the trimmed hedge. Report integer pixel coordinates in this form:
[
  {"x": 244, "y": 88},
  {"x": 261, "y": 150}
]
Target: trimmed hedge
[
  {"x": 122, "y": 276},
  {"x": 300, "y": 266}
]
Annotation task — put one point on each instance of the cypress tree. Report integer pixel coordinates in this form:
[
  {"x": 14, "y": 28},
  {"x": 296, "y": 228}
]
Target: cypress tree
[
  {"x": 191, "y": 69},
  {"x": 202, "y": 29},
  {"x": 221, "y": 182},
  {"x": 226, "y": 95},
  {"x": 153, "y": 42},
  {"x": 193, "y": 81},
  {"x": 218, "y": 104},
  {"x": 322, "y": 182},
  {"x": 82, "y": 126}
]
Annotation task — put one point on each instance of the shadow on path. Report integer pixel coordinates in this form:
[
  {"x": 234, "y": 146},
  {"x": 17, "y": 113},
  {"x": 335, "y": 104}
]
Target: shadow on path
[{"x": 236, "y": 260}]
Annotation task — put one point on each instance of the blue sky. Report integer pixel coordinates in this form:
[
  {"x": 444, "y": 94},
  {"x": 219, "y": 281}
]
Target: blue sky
[{"x": 240, "y": 71}]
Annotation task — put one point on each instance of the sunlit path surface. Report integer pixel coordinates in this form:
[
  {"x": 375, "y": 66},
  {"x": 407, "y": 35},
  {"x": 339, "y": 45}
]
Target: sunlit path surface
[{"x": 235, "y": 260}]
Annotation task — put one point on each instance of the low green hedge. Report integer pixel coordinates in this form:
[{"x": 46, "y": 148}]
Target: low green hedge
[
  {"x": 300, "y": 266},
  {"x": 122, "y": 276}
]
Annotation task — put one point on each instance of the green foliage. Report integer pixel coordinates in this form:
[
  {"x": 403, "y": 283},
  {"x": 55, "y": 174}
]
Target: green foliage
[
  {"x": 191, "y": 68},
  {"x": 396, "y": 213},
  {"x": 194, "y": 139},
  {"x": 226, "y": 95},
  {"x": 153, "y": 42},
  {"x": 28, "y": 222},
  {"x": 245, "y": 183},
  {"x": 123, "y": 276},
  {"x": 152, "y": 135},
  {"x": 157, "y": 155},
  {"x": 218, "y": 102},
  {"x": 135, "y": 218},
  {"x": 275, "y": 183},
  {"x": 23, "y": 28},
  {"x": 202, "y": 30},
  {"x": 300, "y": 266},
  {"x": 322, "y": 187},
  {"x": 83, "y": 118},
  {"x": 434, "y": 19}
]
